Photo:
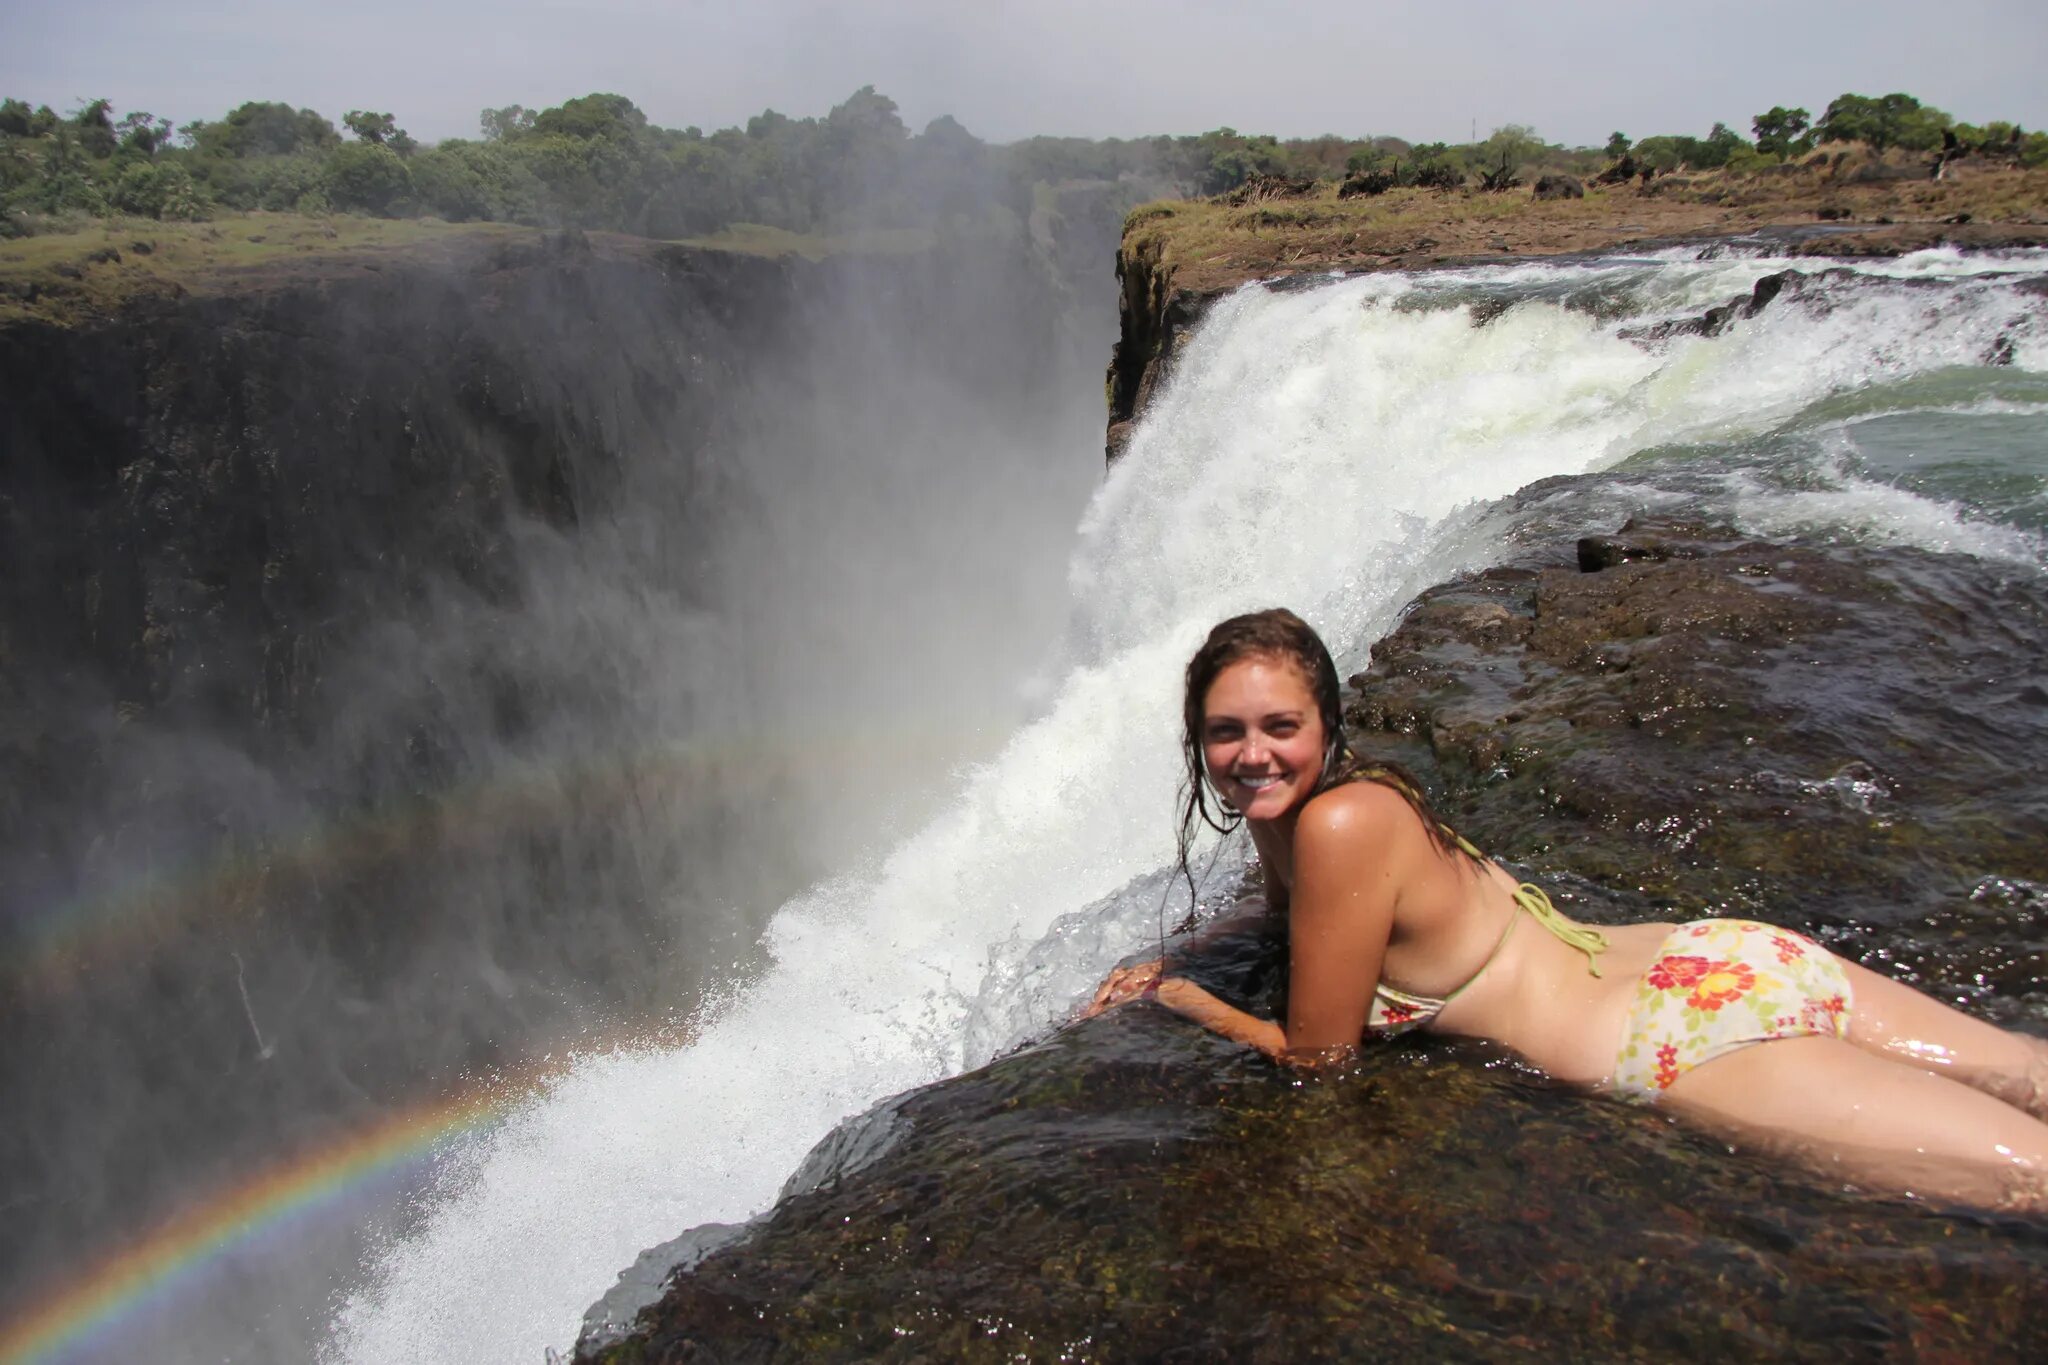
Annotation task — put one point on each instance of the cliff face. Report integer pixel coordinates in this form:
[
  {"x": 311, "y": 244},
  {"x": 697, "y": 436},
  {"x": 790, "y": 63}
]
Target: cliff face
[
  {"x": 369, "y": 630},
  {"x": 1153, "y": 320}
]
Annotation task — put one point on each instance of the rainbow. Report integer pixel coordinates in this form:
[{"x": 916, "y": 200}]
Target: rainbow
[
  {"x": 153, "y": 1269},
  {"x": 64, "y": 938},
  {"x": 59, "y": 941}
]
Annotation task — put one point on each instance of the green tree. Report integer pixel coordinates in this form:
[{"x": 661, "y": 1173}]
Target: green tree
[
  {"x": 144, "y": 133},
  {"x": 858, "y": 158},
  {"x": 502, "y": 125},
  {"x": 369, "y": 127},
  {"x": 1721, "y": 143},
  {"x": 1364, "y": 160},
  {"x": 589, "y": 116},
  {"x": 16, "y": 118},
  {"x": 95, "y": 124},
  {"x": 1920, "y": 129},
  {"x": 151, "y": 189},
  {"x": 1507, "y": 149},
  {"x": 366, "y": 176},
  {"x": 261, "y": 128},
  {"x": 1781, "y": 131},
  {"x": 1617, "y": 145},
  {"x": 462, "y": 181},
  {"x": 1894, "y": 120}
]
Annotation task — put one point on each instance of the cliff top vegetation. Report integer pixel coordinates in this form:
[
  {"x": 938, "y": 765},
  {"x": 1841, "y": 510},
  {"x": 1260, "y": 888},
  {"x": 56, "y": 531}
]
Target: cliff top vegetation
[
  {"x": 102, "y": 207},
  {"x": 93, "y": 269},
  {"x": 1853, "y": 199}
]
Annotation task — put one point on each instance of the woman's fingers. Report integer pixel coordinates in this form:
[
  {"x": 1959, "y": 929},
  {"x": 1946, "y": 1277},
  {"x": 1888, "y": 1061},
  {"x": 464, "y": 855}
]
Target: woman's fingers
[{"x": 1121, "y": 985}]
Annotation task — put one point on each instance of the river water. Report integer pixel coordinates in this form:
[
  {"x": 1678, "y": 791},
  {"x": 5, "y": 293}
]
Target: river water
[{"x": 1336, "y": 446}]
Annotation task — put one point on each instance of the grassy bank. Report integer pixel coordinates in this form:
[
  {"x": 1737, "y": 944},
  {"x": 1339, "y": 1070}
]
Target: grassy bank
[
  {"x": 90, "y": 270},
  {"x": 1208, "y": 244},
  {"x": 65, "y": 277}
]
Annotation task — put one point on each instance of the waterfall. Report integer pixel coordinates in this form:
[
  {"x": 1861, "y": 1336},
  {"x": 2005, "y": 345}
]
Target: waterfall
[{"x": 1333, "y": 448}]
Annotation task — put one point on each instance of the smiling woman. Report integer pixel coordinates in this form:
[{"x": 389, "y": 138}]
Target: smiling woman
[{"x": 1396, "y": 923}]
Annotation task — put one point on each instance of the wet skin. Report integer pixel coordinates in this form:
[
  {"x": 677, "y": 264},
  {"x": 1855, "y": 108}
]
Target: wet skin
[{"x": 1918, "y": 1097}]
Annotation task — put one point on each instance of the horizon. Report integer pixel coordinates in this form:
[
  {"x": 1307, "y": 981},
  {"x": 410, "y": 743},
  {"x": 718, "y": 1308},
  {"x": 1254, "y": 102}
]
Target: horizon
[{"x": 1573, "y": 75}]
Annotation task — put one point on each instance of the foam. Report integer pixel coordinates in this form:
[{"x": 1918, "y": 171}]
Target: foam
[{"x": 1329, "y": 448}]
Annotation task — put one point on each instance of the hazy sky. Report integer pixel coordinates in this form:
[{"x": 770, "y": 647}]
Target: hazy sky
[{"x": 1574, "y": 69}]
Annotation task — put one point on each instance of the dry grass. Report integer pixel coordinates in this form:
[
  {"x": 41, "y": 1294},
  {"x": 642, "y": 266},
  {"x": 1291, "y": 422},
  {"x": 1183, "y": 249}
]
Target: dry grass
[
  {"x": 89, "y": 271},
  {"x": 65, "y": 277},
  {"x": 1210, "y": 244}
]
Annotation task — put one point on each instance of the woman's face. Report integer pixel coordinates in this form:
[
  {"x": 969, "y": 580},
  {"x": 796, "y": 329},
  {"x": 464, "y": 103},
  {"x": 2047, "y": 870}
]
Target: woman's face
[{"x": 1262, "y": 737}]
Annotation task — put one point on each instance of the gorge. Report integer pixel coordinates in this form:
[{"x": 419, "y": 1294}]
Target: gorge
[
  {"x": 392, "y": 639},
  {"x": 660, "y": 659}
]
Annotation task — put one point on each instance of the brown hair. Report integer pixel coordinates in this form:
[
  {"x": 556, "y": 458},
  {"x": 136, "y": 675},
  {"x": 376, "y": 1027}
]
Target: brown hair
[{"x": 1278, "y": 633}]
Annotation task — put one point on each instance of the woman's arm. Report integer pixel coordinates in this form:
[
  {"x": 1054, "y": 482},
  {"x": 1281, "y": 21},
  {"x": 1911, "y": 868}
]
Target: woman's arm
[
  {"x": 1351, "y": 849},
  {"x": 1142, "y": 978}
]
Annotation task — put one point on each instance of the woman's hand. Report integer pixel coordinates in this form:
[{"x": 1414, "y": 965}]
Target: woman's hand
[{"x": 1125, "y": 983}]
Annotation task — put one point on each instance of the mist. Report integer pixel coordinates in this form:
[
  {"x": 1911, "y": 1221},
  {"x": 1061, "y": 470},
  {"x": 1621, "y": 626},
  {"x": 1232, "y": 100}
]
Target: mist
[{"x": 507, "y": 744}]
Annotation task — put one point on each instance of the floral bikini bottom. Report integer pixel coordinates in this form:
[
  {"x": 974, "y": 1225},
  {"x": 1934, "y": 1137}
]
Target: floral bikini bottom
[{"x": 1719, "y": 985}]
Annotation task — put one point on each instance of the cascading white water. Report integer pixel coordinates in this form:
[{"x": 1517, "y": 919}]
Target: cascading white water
[{"x": 1329, "y": 448}]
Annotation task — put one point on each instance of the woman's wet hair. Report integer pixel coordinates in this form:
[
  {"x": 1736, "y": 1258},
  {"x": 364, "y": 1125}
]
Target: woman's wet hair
[{"x": 1278, "y": 634}]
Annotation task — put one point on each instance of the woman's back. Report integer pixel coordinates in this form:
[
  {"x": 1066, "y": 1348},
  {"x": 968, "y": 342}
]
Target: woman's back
[{"x": 1457, "y": 935}]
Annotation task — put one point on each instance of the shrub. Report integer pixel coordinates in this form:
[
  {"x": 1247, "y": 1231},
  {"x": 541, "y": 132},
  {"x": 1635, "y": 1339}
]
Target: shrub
[
  {"x": 1367, "y": 183},
  {"x": 368, "y": 177}
]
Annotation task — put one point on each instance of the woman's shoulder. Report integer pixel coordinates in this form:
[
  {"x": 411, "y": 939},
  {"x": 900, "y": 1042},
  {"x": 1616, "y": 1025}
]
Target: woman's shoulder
[{"x": 1364, "y": 810}]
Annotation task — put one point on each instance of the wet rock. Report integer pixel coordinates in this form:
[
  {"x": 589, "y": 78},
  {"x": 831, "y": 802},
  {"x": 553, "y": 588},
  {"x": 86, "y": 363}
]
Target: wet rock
[
  {"x": 1681, "y": 723},
  {"x": 1604, "y": 552},
  {"x": 1717, "y": 320},
  {"x": 1844, "y": 739}
]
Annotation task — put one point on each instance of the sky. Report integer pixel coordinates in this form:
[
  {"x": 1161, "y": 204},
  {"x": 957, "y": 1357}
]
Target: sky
[{"x": 1575, "y": 70}]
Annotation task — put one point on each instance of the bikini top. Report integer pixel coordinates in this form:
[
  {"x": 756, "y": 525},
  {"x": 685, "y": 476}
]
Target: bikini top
[{"x": 1396, "y": 1011}]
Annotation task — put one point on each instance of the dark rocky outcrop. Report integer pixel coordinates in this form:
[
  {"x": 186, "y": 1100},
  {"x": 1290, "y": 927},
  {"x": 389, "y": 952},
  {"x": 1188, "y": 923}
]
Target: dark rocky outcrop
[
  {"x": 1154, "y": 320},
  {"x": 1842, "y": 739},
  {"x": 1841, "y": 735},
  {"x": 1559, "y": 187},
  {"x": 1717, "y": 320}
]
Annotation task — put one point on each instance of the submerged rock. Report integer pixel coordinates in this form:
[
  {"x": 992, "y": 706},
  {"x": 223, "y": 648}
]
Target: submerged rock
[{"x": 1843, "y": 739}]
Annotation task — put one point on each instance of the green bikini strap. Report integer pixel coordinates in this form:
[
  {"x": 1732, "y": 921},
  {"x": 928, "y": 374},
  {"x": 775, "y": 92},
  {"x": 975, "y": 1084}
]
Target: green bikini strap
[
  {"x": 1536, "y": 901},
  {"x": 1528, "y": 895},
  {"x": 1587, "y": 940}
]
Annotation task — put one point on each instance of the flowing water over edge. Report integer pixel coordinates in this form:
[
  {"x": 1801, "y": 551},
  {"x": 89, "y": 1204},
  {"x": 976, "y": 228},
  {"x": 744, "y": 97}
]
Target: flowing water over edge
[{"x": 1333, "y": 448}]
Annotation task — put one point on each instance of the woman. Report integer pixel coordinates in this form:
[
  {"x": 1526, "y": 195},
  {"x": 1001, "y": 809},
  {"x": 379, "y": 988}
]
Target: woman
[{"x": 1396, "y": 923}]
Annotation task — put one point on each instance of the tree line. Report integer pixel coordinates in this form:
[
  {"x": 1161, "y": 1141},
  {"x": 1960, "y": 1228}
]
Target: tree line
[{"x": 597, "y": 162}]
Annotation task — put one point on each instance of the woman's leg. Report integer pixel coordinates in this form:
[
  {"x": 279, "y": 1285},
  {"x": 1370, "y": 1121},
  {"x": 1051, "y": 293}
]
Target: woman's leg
[
  {"x": 1851, "y": 1112},
  {"x": 1896, "y": 1021}
]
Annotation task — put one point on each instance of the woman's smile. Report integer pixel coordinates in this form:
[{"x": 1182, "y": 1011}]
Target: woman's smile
[{"x": 1262, "y": 737}]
